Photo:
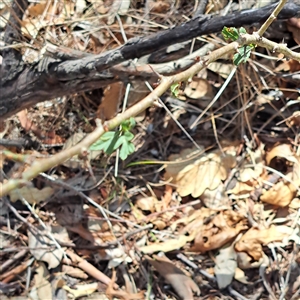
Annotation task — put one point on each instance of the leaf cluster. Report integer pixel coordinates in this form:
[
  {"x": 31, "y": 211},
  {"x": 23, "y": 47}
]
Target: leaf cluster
[
  {"x": 243, "y": 53},
  {"x": 121, "y": 139}
]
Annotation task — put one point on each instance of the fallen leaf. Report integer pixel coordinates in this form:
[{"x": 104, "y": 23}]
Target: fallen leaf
[
  {"x": 119, "y": 7},
  {"x": 159, "y": 6},
  {"x": 251, "y": 173},
  {"x": 74, "y": 272},
  {"x": 41, "y": 282},
  {"x": 159, "y": 223},
  {"x": 241, "y": 188},
  {"x": 220, "y": 68},
  {"x": 223, "y": 227},
  {"x": 283, "y": 192},
  {"x": 284, "y": 66},
  {"x": 112, "y": 97},
  {"x": 194, "y": 220},
  {"x": 295, "y": 204},
  {"x": 49, "y": 138},
  {"x": 181, "y": 283},
  {"x": 44, "y": 249},
  {"x": 80, "y": 6},
  {"x": 193, "y": 176},
  {"x": 283, "y": 151},
  {"x": 240, "y": 276},
  {"x": 253, "y": 240},
  {"x": 36, "y": 9},
  {"x": 246, "y": 262},
  {"x": 118, "y": 256},
  {"x": 168, "y": 245},
  {"x": 99, "y": 6},
  {"x": 30, "y": 194},
  {"x": 146, "y": 203},
  {"x": 198, "y": 88},
  {"x": 81, "y": 290},
  {"x": 216, "y": 199},
  {"x": 186, "y": 157}
]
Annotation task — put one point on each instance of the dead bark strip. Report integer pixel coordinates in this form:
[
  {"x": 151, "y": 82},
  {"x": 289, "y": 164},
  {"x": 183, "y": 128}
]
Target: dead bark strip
[{"x": 25, "y": 85}]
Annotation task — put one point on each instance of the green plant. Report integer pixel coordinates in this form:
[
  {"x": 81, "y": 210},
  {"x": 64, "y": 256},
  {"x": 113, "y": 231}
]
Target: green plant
[
  {"x": 243, "y": 53},
  {"x": 175, "y": 88},
  {"x": 121, "y": 139}
]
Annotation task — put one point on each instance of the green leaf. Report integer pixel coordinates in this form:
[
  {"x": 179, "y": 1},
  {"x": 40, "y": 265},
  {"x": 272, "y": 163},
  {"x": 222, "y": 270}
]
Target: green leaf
[
  {"x": 126, "y": 149},
  {"x": 243, "y": 55},
  {"x": 106, "y": 142},
  {"x": 128, "y": 124},
  {"x": 100, "y": 145},
  {"x": 242, "y": 30},
  {"x": 119, "y": 142},
  {"x": 128, "y": 135},
  {"x": 111, "y": 147},
  {"x": 230, "y": 33},
  {"x": 132, "y": 122},
  {"x": 124, "y": 139},
  {"x": 175, "y": 89},
  {"x": 125, "y": 125},
  {"x": 107, "y": 136},
  {"x": 112, "y": 140}
]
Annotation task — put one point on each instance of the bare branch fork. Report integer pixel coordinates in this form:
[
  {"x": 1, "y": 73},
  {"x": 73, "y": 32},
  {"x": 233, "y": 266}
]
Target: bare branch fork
[{"x": 165, "y": 83}]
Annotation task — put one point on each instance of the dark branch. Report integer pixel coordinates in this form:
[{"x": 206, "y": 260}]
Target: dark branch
[
  {"x": 141, "y": 46},
  {"x": 12, "y": 59},
  {"x": 22, "y": 86}
]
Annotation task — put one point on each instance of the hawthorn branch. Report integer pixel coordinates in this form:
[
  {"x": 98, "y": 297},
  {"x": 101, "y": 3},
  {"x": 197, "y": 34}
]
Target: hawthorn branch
[
  {"x": 25, "y": 85},
  {"x": 166, "y": 81},
  {"x": 272, "y": 17},
  {"x": 274, "y": 47}
]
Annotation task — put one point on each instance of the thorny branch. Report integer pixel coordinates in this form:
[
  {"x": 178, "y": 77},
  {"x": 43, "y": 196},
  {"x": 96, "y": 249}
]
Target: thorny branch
[
  {"x": 150, "y": 100},
  {"x": 25, "y": 85}
]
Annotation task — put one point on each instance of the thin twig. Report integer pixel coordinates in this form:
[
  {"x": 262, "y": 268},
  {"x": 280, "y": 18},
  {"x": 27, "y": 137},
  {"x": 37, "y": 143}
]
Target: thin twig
[
  {"x": 84, "y": 196},
  {"x": 236, "y": 294},
  {"x": 10, "y": 261},
  {"x": 262, "y": 274},
  {"x": 174, "y": 119},
  {"x": 271, "y": 18},
  {"x": 214, "y": 100}
]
